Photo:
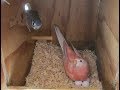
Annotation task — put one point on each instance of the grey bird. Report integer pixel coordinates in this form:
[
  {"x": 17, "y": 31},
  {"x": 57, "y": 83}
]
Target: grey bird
[{"x": 31, "y": 18}]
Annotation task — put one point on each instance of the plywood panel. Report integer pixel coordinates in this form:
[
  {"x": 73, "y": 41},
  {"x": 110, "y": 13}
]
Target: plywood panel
[
  {"x": 110, "y": 12},
  {"x": 18, "y": 63},
  {"x": 106, "y": 61},
  {"x": 11, "y": 39},
  {"x": 106, "y": 67},
  {"x": 108, "y": 51},
  {"x": 73, "y": 17},
  {"x": 61, "y": 16},
  {"x": 2, "y": 76},
  {"x": 110, "y": 42},
  {"x": 81, "y": 15}
]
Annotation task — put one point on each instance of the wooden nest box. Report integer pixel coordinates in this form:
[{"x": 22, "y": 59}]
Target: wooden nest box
[{"x": 91, "y": 24}]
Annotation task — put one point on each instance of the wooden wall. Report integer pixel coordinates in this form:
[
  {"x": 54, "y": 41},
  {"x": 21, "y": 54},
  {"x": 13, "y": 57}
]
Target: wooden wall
[
  {"x": 108, "y": 41},
  {"x": 76, "y": 18},
  {"x": 12, "y": 39}
]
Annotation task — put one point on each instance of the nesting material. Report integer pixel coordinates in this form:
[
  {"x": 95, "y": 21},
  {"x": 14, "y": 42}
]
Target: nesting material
[{"x": 47, "y": 70}]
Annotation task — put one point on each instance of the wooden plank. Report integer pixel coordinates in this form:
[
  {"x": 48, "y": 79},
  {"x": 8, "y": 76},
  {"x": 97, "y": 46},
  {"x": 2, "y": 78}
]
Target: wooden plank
[
  {"x": 117, "y": 84},
  {"x": 110, "y": 10},
  {"x": 79, "y": 26},
  {"x": 117, "y": 79},
  {"x": 61, "y": 16},
  {"x": 18, "y": 63},
  {"x": 10, "y": 39},
  {"x": 107, "y": 68},
  {"x": 3, "y": 67},
  {"x": 110, "y": 43},
  {"x": 106, "y": 61},
  {"x": 109, "y": 35},
  {"x": 41, "y": 38},
  {"x": 4, "y": 73}
]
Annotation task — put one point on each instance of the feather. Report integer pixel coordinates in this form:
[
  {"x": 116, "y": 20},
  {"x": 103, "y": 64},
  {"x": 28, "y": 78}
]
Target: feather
[{"x": 61, "y": 38}]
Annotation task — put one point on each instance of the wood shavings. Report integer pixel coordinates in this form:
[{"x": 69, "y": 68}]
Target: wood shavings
[{"x": 47, "y": 70}]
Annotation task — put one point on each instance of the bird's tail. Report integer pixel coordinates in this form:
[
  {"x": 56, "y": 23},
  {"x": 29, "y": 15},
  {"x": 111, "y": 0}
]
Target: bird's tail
[{"x": 60, "y": 38}]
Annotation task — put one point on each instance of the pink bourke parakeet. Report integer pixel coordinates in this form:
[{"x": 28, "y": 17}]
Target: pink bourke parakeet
[{"x": 75, "y": 66}]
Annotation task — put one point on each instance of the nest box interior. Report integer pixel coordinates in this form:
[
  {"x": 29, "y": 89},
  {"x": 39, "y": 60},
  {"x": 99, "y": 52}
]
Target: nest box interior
[{"x": 91, "y": 24}]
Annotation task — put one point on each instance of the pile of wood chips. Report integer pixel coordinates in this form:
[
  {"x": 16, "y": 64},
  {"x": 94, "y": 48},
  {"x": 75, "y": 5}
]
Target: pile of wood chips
[{"x": 47, "y": 70}]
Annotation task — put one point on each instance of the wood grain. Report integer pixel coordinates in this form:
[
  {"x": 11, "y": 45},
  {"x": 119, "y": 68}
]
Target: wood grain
[
  {"x": 108, "y": 41},
  {"x": 108, "y": 52},
  {"x": 111, "y": 44},
  {"x": 79, "y": 25},
  {"x": 18, "y": 63},
  {"x": 106, "y": 67},
  {"x": 72, "y": 16},
  {"x": 110, "y": 11},
  {"x": 41, "y": 38},
  {"x": 2, "y": 76},
  {"x": 11, "y": 39}
]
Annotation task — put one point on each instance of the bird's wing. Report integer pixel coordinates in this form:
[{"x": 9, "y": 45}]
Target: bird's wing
[{"x": 75, "y": 50}]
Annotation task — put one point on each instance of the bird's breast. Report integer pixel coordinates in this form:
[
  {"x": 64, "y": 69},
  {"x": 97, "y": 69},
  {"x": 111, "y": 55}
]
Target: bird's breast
[{"x": 75, "y": 73}]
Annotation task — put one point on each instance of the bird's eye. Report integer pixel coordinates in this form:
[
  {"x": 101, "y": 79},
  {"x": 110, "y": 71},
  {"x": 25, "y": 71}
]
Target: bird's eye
[
  {"x": 33, "y": 23},
  {"x": 80, "y": 60}
]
